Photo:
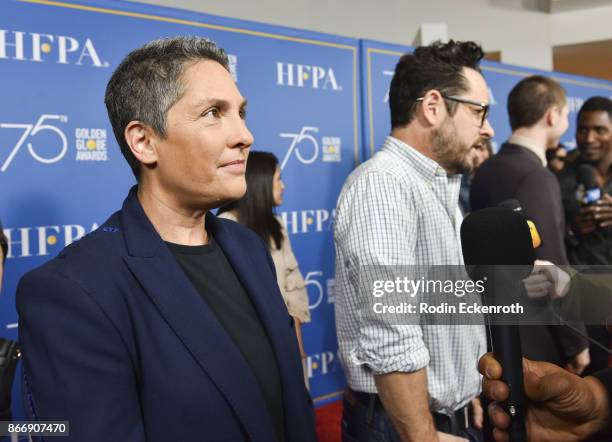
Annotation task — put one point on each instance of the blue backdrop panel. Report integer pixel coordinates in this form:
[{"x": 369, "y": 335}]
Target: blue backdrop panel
[
  {"x": 378, "y": 64},
  {"x": 501, "y": 78},
  {"x": 61, "y": 171}
]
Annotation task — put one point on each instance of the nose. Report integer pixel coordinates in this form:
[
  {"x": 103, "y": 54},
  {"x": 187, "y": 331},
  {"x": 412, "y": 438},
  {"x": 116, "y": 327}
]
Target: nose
[
  {"x": 241, "y": 136},
  {"x": 590, "y": 138},
  {"x": 486, "y": 130}
]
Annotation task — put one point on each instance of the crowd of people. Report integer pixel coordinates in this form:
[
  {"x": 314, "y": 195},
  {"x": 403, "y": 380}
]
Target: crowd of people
[{"x": 193, "y": 330}]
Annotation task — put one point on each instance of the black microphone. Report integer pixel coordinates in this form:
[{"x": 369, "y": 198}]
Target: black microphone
[
  {"x": 512, "y": 204},
  {"x": 497, "y": 247},
  {"x": 515, "y": 206},
  {"x": 588, "y": 191}
]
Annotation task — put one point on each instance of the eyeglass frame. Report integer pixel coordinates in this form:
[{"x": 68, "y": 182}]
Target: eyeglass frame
[{"x": 484, "y": 107}]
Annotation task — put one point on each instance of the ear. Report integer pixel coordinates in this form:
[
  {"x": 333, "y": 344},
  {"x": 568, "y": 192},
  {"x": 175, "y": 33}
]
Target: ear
[
  {"x": 433, "y": 108},
  {"x": 553, "y": 115},
  {"x": 141, "y": 140}
]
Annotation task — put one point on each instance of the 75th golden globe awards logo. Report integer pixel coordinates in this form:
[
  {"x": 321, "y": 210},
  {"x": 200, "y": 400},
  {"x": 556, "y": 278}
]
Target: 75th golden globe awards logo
[
  {"x": 233, "y": 66},
  {"x": 25, "y": 140},
  {"x": 306, "y": 146},
  {"x": 45, "y": 141},
  {"x": 91, "y": 144}
]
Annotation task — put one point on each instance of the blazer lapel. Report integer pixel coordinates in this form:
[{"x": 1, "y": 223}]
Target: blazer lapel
[
  {"x": 263, "y": 291},
  {"x": 260, "y": 286},
  {"x": 194, "y": 323}
]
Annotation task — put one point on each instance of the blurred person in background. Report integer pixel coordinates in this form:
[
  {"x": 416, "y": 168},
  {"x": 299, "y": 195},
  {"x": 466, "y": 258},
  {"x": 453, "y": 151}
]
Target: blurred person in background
[
  {"x": 538, "y": 113},
  {"x": 3, "y": 253},
  {"x": 481, "y": 152},
  {"x": 556, "y": 158},
  {"x": 256, "y": 211},
  {"x": 589, "y": 241}
]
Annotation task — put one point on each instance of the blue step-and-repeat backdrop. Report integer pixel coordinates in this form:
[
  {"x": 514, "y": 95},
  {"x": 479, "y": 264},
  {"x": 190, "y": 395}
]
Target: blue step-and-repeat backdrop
[
  {"x": 319, "y": 102},
  {"x": 378, "y": 64}
]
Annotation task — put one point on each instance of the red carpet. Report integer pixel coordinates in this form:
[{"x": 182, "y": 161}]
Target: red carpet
[{"x": 328, "y": 422}]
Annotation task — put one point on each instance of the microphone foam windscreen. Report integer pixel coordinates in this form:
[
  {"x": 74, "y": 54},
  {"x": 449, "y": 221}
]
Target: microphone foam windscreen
[
  {"x": 496, "y": 236},
  {"x": 512, "y": 204},
  {"x": 586, "y": 176}
]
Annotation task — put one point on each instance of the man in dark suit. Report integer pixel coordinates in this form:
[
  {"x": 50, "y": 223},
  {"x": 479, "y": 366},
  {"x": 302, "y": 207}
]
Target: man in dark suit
[
  {"x": 538, "y": 117},
  {"x": 166, "y": 323}
]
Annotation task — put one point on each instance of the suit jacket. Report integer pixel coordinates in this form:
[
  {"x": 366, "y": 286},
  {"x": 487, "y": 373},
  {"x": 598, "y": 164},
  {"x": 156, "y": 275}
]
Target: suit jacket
[
  {"x": 117, "y": 341},
  {"x": 517, "y": 173}
]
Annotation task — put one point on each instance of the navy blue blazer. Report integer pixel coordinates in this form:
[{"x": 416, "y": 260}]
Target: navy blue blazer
[{"x": 117, "y": 341}]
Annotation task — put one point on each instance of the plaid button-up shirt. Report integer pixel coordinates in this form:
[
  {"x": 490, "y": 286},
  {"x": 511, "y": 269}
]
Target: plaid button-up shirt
[{"x": 401, "y": 208}]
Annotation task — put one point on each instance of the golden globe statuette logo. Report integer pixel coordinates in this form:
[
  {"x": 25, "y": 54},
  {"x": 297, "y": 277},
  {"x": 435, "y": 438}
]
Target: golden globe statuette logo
[
  {"x": 233, "y": 66},
  {"x": 91, "y": 144},
  {"x": 331, "y": 149}
]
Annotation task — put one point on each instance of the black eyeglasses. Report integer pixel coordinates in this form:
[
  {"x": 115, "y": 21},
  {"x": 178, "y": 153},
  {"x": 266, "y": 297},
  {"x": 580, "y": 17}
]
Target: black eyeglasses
[{"x": 484, "y": 107}]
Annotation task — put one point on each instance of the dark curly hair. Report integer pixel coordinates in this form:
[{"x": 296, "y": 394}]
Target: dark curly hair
[
  {"x": 595, "y": 104},
  {"x": 437, "y": 66},
  {"x": 3, "y": 244}
]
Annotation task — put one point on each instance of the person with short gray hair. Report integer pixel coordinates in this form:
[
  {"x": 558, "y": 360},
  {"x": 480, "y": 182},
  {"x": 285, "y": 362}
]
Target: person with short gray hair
[
  {"x": 148, "y": 82},
  {"x": 166, "y": 323}
]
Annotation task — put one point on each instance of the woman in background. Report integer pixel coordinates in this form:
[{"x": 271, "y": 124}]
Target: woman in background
[
  {"x": 256, "y": 211},
  {"x": 3, "y": 253}
]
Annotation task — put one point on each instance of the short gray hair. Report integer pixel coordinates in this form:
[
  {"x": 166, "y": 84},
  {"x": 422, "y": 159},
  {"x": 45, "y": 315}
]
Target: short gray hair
[{"x": 147, "y": 83}]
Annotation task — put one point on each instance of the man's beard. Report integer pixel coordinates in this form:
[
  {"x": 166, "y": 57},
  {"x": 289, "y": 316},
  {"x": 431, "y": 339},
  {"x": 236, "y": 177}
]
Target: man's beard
[{"x": 452, "y": 154}]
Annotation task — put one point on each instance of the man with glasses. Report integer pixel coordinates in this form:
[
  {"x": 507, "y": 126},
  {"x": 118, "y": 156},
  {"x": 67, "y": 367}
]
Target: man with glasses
[
  {"x": 538, "y": 112},
  {"x": 400, "y": 208}
]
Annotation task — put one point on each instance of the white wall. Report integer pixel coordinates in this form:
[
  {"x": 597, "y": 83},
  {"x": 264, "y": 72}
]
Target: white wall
[
  {"x": 522, "y": 36},
  {"x": 572, "y": 27}
]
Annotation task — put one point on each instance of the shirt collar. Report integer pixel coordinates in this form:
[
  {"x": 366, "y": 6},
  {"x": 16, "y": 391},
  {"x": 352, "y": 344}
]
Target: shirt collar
[
  {"x": 530, "y": 145},
  {"x": 424, "y": 166}
]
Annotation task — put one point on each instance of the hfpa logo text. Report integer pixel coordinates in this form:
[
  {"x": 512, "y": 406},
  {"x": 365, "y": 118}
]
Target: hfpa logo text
[
  {"x": 302, "y": 75},
  {"x": 26, "y": 242},
  {"x": 36, "y": 47}
]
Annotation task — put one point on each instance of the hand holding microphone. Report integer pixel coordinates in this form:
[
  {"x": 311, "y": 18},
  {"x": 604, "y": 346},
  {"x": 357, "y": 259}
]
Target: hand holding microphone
[
  {"x": 560, "y": 406},
  {"x": 497, "y": 246},
  {"x": 596, "y": 210},
  {"x": 547, "y": 280}
]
